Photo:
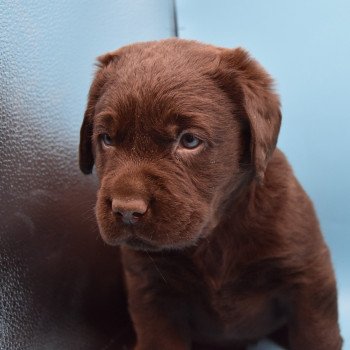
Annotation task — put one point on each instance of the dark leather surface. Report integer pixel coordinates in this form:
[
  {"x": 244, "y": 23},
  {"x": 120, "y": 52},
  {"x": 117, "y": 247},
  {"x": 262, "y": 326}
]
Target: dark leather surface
[{"x": 60, "y": 286}]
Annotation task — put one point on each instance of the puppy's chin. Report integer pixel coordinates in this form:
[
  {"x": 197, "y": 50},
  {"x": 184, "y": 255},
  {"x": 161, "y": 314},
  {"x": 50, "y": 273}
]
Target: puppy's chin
[
  {"x": 132, "y": 242},
  {"x": 136, "y": 242}
]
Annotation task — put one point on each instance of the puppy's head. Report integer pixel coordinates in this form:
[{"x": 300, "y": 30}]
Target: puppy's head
[{"x": 174, "y": 128}]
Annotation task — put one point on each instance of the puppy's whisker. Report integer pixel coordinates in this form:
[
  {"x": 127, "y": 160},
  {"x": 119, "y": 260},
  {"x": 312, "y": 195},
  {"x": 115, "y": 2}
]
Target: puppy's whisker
[
  {"x": 87, "y": 214},
  {"x": 155, "y": 265}
]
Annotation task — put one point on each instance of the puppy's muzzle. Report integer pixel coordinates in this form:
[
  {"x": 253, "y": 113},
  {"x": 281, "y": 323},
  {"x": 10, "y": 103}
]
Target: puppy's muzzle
[{"x": 129, "y": 211}]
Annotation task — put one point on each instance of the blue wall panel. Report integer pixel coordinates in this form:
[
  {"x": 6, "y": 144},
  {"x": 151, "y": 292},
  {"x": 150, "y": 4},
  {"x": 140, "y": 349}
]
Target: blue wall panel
[{"x": 305, "y": 45}]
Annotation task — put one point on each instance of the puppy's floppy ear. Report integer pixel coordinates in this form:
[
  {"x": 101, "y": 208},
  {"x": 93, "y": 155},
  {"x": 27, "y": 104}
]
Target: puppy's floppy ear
[
  {"x": 250, "y": 86},
  {"x": 86, "y": 157},
  {"x": 106, "y": 59}
]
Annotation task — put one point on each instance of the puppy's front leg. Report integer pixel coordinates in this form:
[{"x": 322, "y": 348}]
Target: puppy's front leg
[
  {"x": 158, "y": 325},
  {"x": 314, "y": 316},
  {"x": 154, "y": 332},
  {"x": 159, "y": 317}
]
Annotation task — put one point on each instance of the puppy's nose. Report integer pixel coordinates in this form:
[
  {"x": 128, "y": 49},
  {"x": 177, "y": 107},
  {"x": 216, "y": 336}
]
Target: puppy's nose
[{"x": 130, "y": 211}]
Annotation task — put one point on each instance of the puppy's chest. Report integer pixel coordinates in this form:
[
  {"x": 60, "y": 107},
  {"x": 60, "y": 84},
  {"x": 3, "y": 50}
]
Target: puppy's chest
[
  {"x": 235, "y": 304},
  {"x": 228, "y": 301},
  {"x": 225, "y": 291}
]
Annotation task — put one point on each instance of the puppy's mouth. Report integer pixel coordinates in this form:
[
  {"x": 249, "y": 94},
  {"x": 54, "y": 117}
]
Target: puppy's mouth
[
  {"x": 130, "y": 239},
  {"x": 134, "y": 241},
  {"x": 138, "y": 243}
]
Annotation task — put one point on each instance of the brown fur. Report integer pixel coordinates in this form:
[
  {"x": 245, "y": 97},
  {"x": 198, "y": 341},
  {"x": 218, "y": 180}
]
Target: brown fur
[{"x": 229, "y": 250}]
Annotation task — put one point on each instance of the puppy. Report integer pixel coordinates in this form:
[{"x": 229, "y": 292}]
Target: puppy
[{"x": 220, "y": 244}]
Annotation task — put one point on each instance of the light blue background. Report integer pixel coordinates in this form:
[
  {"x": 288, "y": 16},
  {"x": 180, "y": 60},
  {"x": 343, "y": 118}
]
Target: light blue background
[{"x": 305, "y": 45}]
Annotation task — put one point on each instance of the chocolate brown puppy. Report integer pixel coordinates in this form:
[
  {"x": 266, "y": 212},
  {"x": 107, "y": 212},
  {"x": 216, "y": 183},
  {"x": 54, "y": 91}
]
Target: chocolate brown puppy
[{"x": 220, "y": 244}]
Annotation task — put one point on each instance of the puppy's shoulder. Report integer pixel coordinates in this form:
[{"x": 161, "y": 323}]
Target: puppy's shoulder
[
  {"x": 294, "y": 209},
  {"x": 280, "y": 179},
  {"x": 279, "y": 165}
]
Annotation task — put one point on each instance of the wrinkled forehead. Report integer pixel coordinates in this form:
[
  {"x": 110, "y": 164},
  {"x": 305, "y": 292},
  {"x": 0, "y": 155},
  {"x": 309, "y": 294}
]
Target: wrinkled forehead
[{"x": 158, "y": 93}]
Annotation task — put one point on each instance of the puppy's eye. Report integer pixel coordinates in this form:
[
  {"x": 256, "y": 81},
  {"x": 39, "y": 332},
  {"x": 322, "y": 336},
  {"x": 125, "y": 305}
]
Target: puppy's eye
[
  {"x": 190, "y": 141},
  {"x": 106, "y": 140}
]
